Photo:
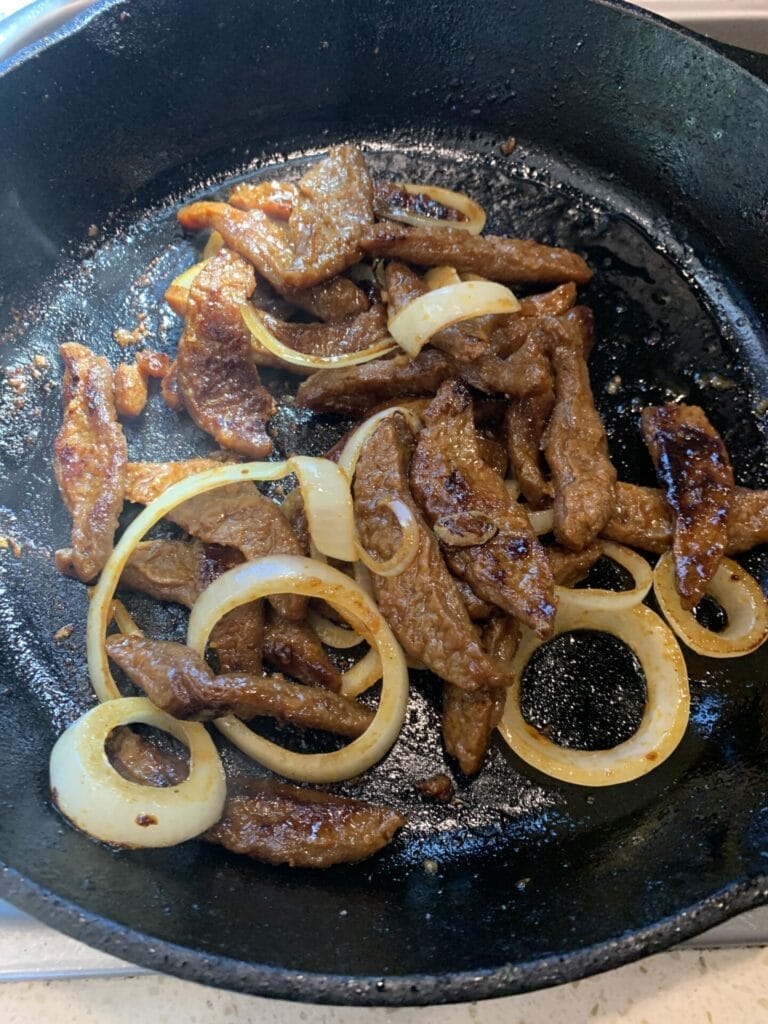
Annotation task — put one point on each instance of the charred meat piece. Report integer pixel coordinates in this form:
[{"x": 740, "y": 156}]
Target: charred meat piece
[
  {"x": 553, "y": 303},
  {"x": 89, "y": 458},
  {"x": 390, "y": 200},
  {"x": 499, "y": 259},
  {"x": 437, "y": 787},
  {"x": 576, "y": 448},
  {"x": 694, "y": 468},
  {"x": 333, "y": 206},
  {"x": 217, "y": 378},
  {"x": 130, "y": 390},
  {"x": 179, "y": 570},
  {"x": 267, "y": 820},
  {"x": 404, "y": 285},
  {"x": 571, "y": 567},
  {"x": 470, "y": 718},
  {"x": 180, "y": 683},
  {"x": 295, "y": 648},
  {"x": 453, "y": 484},
  {"x": 281, "y": 824},
  {"x": 363, "y": 331},
  {"x": 421, "y": 604}
]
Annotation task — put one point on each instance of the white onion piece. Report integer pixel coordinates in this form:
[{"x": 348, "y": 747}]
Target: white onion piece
[
  {"x": 594, "y": 598},
  {"x": 280, "y": 574},
  {"x": 214, "y": 244},
  {"x": 100, "y": 607},
  {"x": 664, "y": 719},
  {"x": 328, "y": 506},
  {"x": 424, "y": 316},
  {"x": 474, "y": 214},
  {"x": 440, "y": 277},
  {"x": 407, "y": 549},
  {"x": 331, "y": 633},
  {"x": 124, "y": 621},
  {"x": 362, "y": 675},
  {"x": 351, "y": 452},
  {"x": 96, "y": 798},
  {"x": 265, "y": 339},
  {"x": 738, "y": 594},
  {"x": 542, "y": 520}
]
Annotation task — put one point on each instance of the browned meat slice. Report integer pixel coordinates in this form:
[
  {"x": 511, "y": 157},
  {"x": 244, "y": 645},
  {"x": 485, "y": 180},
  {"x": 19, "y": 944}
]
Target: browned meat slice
[
  {"x": 509, "y": 333},
  {"x": 500, "y": 259},
  {"x": 89, "y": 458},
  {"x": 570, "y": 567},
  {"x": 404, "y": 285},
  {"x": 454, "y": 487},
  {"x": 153, "y": 364},
  {"x": 437, "y": 787},
  {"x": 275, "y": 198},
  {"x": 145, "y": 481},
  {"x": 179, "y": 570},
  {"x": 295, "y": 648},
  {"x": 363, "y": 331},
  {"x": 169, "y": 388},
  {"x": 470, "y": 718},
  {"x": 333, "y": 207},
  {"x": 217, "y": 377},
  {"x": 180, "y": 683},
  {"x": 269, "y": 820},
  {"x": 130, "y": 390},
  {"x": 576, "y": 448},
  {"x": 493, "y": 453},
  {"x": 525, "y": 421},
  {"x": 421, "y": 604},
  {"x": 553, "y": 303},
  {"x": 694, "y": 468},
  {"x": 477, "y": 608},
  {"x": 293, "y": 510},
  {"x": 748, "y": 521},
  {"x": 282, "y": 824},
  {"x": 332, "y": 301},
  {"x": 391, "y": 200}
]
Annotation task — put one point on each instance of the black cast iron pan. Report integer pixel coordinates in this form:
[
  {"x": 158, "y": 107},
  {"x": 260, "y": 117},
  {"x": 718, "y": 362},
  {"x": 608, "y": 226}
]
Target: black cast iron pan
[{"x": 639, "y": 145}]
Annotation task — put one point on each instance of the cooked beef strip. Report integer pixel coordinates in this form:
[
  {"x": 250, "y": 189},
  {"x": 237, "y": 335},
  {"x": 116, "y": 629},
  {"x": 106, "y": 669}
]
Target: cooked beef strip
[
  {"x": 421, "y": 604},
  {"x": 525, "y": 421},
  {"x": 293, "y": 510},
  {"x": 169, "y": 388},
  {"x": 281, "y": 824},
  {"x": 295, "y": 648},
  {"x": 145, "y": 481},
  {"x": 390, "y": 198},
  {"x": 500, "y": 259},
  {"x": 217, "y": 378},
  {"x": 275, "y": 198},
  {"x": 477, "y": 608},
  {"x": 694, "y": 468},
  {"x": 363, "y": 331},
  {"x": 269, "y": 820},
  {"x": 332, "y": 301},
  {"x": 180, "y": 683},
  {"x": 403, "y": 285},
  {"x": 89, "y": 458},
  {"x": 470, "y": 718},
  {"x": 553, "y": 303},
  {"x": 576, "y": 448},
  {"x": 131, "y": 391},
  {"x": 493, "y": 453},
  {"x": 448, "y": 478},
  {"x": 570, "y": 567}
]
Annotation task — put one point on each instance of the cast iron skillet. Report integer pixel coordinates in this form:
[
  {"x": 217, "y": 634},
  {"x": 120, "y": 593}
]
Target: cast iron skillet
[{"x": 639, "y": 145}]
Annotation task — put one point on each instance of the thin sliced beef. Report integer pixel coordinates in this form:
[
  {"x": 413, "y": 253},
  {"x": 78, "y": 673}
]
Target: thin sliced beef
[
  {"x": 421, "y": 604},
  {"x": 571, "y": 567},
  {"x": 360, "y": 332},
  {"x": 453, "y": 485},
  {"x": 89, "y": 459},
  {"x": 391, "y": 200},
  {"x": 470, "y": 718},
  {"x": 217, "y": 378},
  {"x": 332, "y": 301},
  {"x": 180, "y": 683},
  {"x": 494, "y": 453},
  {"x": 295, "y": 648},
  {"x": 576, "y": 448},
  {"x": 694, "y": 468},
  {"x": 131, "y": 390},
  {"x": 525, "y": 421},
  {"x": 477, "y": 608},
  {"x": 553, "y": 303},
  {"x": 275, "y": 198},
  {"x": 267, "y": 820},
  {"x": 145, "y": 481},
  {"x": 500, "y": 259}
]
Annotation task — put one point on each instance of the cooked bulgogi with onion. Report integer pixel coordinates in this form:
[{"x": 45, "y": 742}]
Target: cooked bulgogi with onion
[{"x": 447, "y": 530}]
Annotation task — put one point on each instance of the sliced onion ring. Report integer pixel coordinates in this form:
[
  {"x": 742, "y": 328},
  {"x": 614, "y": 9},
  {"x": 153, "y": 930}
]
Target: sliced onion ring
[
  {"x": 474, "y": 214},
  {"x": 124, "y": 621},
  {"x": 542, "y": 520},
  {"x": 265, "y": 339},
  {"x": 664, "y": 719},
  {"x": 328, "y": 506},
  {"x": 407, "y": 549},
  {"x": 594, "y": 598},
  {"x": 100, "y": 607},
  {"x": 214, "y": 244},
  {"x": 279, "y": 574},
  {"x": 415, "y": 324},
  {"x": 96, "y": 798},
  {"x": 735, "y": 591},
  {"x": 340, "y": 637},
  {"x": 351, "y": 451},
  {"x": 441, "y": 277}
]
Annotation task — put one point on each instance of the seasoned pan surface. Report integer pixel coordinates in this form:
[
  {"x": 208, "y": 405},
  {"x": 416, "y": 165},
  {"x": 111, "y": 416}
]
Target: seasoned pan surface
[{"x": 523, "y": 882}]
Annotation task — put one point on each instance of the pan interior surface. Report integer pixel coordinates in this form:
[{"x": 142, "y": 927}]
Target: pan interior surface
[{"x": 519, "y": 870}]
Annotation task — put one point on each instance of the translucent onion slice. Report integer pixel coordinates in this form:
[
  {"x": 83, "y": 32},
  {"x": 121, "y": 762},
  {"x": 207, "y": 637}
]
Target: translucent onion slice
[
  {"x": 280, "y": 574},
  {"x": 407, "y": 550},
  {"x": 96, "y": 798},
  {"x": 124, "y": 620},
  {"x": 100, "y": 607},
  {"x": 738, "y": 594},
  {"x": 328, "y": 506},
  {"x": 362, "y": 675},
  {"x": 415, "y": 324},
  {"x": 664, "y": 719},
  {"x": 214, "y": 244},
  {"x": 331, "y": 633},
  {"x": 594, "y": 598},
  {"x": 265, "y": 339},
  {"x": 351, "y": 452},
  {"x": 474, "y": 214},
  {"x": 441, "y": 277},
  {"x": 542, "y": 520}
]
